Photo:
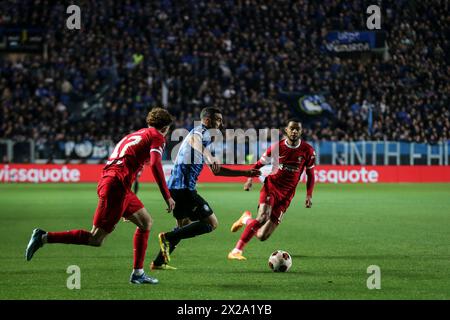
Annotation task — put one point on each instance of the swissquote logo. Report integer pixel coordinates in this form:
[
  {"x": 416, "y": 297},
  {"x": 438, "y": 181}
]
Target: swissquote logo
[
  {"x": 36, "y": 174},
  {"x": 345, "y": 175}
]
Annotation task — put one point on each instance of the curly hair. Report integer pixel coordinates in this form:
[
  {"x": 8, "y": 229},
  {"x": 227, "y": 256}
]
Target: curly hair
[{"x": 159, "y": 118}]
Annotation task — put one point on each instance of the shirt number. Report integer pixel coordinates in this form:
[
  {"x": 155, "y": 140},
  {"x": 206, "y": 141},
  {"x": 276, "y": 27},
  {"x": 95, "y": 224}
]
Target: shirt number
[{"x": 123, "y": 145}]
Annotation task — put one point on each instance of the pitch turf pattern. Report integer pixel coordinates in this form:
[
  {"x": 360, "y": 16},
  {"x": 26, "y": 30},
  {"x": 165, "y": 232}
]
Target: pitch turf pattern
[{"x": 404, "y": 229}]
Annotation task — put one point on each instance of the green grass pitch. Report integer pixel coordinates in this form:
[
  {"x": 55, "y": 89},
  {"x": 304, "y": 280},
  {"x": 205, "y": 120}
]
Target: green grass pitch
[{"x": 402, "y": 228}]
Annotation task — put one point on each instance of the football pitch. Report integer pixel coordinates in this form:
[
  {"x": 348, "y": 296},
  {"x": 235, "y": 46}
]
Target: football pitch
[{"x": 404, "y": 229}]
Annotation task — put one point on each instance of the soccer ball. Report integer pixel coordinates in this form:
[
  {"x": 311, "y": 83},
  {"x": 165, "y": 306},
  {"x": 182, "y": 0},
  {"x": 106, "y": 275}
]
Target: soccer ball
[{"x": 280, "y": 261}]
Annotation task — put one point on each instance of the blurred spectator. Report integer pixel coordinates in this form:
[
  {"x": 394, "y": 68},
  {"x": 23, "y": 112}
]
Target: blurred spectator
[{"x": 236, "y": 55}]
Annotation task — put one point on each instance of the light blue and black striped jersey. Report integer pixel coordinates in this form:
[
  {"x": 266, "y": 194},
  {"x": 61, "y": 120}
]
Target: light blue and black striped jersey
[{"x": 189, "y": 162}]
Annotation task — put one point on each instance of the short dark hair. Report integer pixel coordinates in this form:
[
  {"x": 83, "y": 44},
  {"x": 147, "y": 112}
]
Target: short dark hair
[
  {"x": 293, "y": 120},
  {"x": 209, "y": 112},
  {"x": 159, "y": 118}
]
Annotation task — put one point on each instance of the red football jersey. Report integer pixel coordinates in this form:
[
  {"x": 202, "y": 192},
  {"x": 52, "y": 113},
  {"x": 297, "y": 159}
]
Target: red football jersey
[
  {"x": 289, "y": 164},
  {"x": 132, "y": 152}
]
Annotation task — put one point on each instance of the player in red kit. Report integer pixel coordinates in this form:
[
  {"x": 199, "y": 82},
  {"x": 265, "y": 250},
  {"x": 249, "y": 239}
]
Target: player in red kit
[
  {"x": 291, "y": 157},
  {"x": 116, "y": 200}
]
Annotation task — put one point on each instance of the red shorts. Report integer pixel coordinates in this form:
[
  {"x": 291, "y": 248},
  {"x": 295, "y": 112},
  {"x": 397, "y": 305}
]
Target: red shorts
[
  {"x": 114, "y": 202},
  {"x": 277, "y": 199}
]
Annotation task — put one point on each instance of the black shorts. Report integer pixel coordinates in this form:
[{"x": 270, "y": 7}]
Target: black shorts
[{"x": 189, "y": 204}]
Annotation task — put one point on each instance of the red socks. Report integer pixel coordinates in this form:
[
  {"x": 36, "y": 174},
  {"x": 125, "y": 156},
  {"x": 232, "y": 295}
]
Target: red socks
[
  {"x": 140, "y": 241},
  {"x": 71, "y": 237},
  {"x": 250, "y": 230}
]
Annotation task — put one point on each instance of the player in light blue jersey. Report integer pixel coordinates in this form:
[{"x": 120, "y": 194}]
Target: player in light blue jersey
[
  {"x": 193, "y": 214},
  {"x": 189, "y": 162}
]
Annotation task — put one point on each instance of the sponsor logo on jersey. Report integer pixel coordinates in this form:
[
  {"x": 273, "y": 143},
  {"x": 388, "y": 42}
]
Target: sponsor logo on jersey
[{"x": 288, "y": 168}]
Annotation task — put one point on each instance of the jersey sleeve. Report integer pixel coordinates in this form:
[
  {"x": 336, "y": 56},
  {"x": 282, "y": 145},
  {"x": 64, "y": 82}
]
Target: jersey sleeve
[
  {"x": 158, "y": 174},
  {"x": 265, "y": 158},
  {"x": 311, "y": 160},
  {"x": 157, "y": 144}
]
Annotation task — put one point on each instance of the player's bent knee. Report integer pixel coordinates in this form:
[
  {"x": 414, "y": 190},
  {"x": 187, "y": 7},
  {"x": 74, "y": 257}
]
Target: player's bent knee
[
  {"x": 142, "y": 219},
  {"x": 96, "y": 242},
  {"x": 264, "y": 237},
  {"x": 148, "y": 224},
  {"x": 212, "y": 221},
  {"x": 97, "y": 237},
  {"x": 214, "y": 225},
  {"x": 259, "y": 236}
]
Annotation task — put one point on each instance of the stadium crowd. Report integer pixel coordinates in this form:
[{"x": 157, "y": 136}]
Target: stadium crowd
[{"x": 236, "y": 55}]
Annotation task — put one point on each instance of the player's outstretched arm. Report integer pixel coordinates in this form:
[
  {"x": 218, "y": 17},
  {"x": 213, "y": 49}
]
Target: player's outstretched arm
[
  {"x": 310, "y": 182},
  {"x": 259, "y": 164},
  {"x": 158, "y": 173},
  {"x": 226, "y": 172}
]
